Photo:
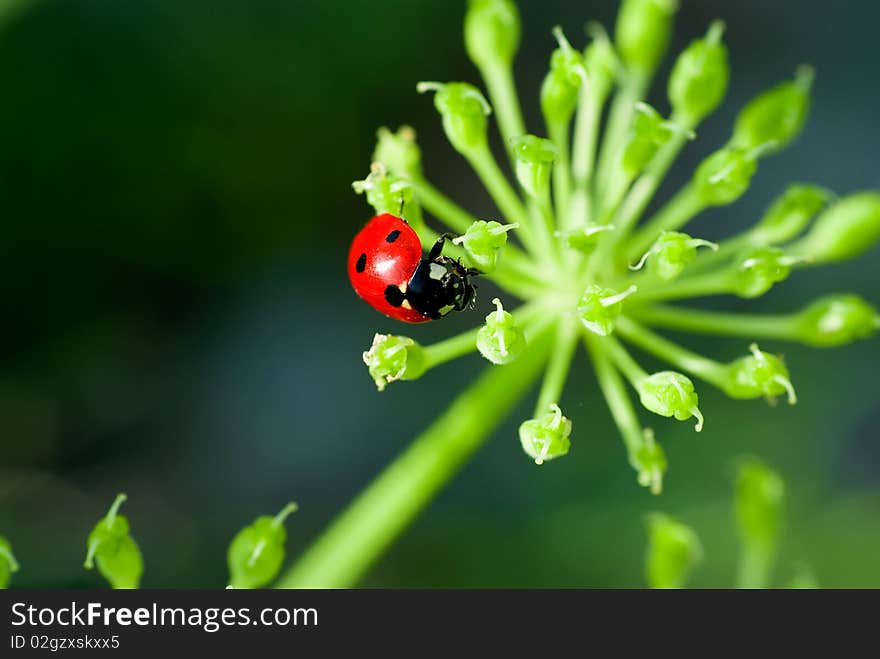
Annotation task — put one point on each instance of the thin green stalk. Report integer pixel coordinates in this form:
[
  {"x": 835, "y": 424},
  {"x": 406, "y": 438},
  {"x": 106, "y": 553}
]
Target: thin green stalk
[
  {"x": 677, "y": 212},
  {"x": 754, "y": 326},
  {"x": 505, "y": 197},
  {"x": 713, "y": 283},
  {"x": 502, "y": 93},
  {"x": 753, "y": 567},
  {"x": 359, "y": 536},
  {"x": 704, "y": 368},
  {"x": 616, "y": 396},
  {"x": 466, "y": 342},
  {"x": 558, "y": 133},
  {"x": 625, "y": 362},
  {"x": 558, "y": 366},
  {"x": 458, "y": 219},
  {"x": 640, "y": 194},
  {"x": 630, "y": 92},
  {"x": 583, "y": 157}
]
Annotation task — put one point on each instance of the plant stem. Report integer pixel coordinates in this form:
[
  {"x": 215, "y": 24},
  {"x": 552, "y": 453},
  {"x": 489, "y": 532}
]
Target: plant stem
[
  {"x": 559, "y": 365},
  {"x": 466, "y": 342},
  {"x": 502, "y": 93},
  {"x": 631, "y": 91},
  {"x": 458, "y": 219},
  {"x": 641, "y": 193},
  {"x": 504, "y": 196},
  {"x": 615, "y": 393},
  {"x": 753, "y": 567},
  {"x": 713, "y": 283},
  {"x": 583, "y": 157},
  {"x": 754, "y": 326},
  {"x": 702, "y": 367},
  {"x": 677, "y": 212},
  {"x": 558, "y": 133},
  {"x": 625, "y": 362},
  {"x": 359, "y": 536}
]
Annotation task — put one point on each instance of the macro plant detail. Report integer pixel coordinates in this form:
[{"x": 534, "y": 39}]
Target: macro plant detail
[
  {"x": 580, "y": 263},
  {"x": 254, "y": 557},
  {"x": 674, "y": 549}
]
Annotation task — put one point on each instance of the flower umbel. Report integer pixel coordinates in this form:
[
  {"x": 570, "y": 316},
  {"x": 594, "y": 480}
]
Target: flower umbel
[{"x": 571, "y": 221}]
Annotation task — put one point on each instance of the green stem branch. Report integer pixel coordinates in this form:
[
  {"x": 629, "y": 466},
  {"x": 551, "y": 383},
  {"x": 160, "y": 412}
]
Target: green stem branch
[
  {"x": 753, "y": 326},
  {"x": 704, "y": 368},
  {"x": 359, "y": 536},
  {"x": 558, "y": 366}
]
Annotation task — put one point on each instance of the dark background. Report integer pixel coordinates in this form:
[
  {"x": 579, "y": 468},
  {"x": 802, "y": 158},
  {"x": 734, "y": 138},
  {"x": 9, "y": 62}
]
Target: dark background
[{"x": 176, "y": 208}]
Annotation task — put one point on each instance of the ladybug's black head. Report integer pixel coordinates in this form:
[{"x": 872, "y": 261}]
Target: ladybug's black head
[{"x": 440, "y": 285}]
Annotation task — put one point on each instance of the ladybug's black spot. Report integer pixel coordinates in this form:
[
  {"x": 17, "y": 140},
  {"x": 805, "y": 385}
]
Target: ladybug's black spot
[
  {"x": 394, "y": 296},
  {"x": 391, "y": 237},
  {"x": 361, "y": 264}
]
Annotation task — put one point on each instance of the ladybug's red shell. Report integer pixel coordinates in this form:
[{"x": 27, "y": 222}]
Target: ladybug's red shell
[{"x": 385, "y": 253}]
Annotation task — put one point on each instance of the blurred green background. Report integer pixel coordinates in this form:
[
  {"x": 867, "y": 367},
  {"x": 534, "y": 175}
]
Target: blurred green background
[{"x": 178, "y": 324}]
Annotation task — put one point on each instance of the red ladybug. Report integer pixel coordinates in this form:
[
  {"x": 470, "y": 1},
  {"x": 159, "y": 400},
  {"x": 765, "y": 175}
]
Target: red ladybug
[{"x": 386, "y": 269}]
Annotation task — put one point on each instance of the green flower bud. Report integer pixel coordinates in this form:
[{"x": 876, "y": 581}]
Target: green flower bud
[
  {"x": 649, "y": 461},
  {"x": 648, "y": 133},
  {"x": 599, "y": 308},
  {"x": 836, "y": 320},
  {"x": 671, "y": 394},
  {"x": 398, "y": 151},
  {"x": 500, "y": 340},
  {"x": 759, "y": 374},
  {"x": 8, "y": 564},
  {"x": 392, "y": 358},
  {"x": 698, "y": 81},
  {"x": 673, "y": 551},
  {"x": 561, "y": 87},
  {"x": 600, "y": 62},
  {"x": 776, "y": 116},
  {"x": 790, "y": 213},
  {"x": 585, "y": 238},
  {"x": 671, "y": 253},
  {"x": 643, "y": 30},
  {"x": 491, "y": 32},
  {"x": 256, "y": 552},
  {"x": 464, "y": 110},
  {"x": 724, "y": 176},
  {"x": 534, "y": 160},
  {"x": 112, "y": 548},
  {"x": 758, "y": 268},
  {"x": 844, "y": 230},
  {"x": 760, "y": 493},
  {"x": 388, "y": 194},
  {"x": 546, "y": 437},
  {"x": 483, "y": 242}
]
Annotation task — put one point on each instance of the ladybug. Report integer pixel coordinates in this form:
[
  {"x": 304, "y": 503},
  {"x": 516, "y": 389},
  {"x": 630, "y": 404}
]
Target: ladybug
[{"x": 386, "y": 268}]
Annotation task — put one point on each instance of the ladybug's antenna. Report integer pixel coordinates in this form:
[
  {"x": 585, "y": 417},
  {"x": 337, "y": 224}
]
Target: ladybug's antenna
[{"x": 402, "y": 201}]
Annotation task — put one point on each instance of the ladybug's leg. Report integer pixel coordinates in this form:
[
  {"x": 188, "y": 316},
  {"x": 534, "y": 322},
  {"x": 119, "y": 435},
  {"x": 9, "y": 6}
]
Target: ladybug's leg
[
  {"x": 400, "y": 212},
  {"x": 437, "y": 249}
]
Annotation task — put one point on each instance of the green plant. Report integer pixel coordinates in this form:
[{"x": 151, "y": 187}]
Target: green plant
[
  {"x": 674, "y": 549},
  {"x": 587, "y": 268}
]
